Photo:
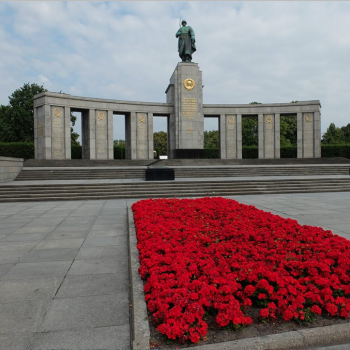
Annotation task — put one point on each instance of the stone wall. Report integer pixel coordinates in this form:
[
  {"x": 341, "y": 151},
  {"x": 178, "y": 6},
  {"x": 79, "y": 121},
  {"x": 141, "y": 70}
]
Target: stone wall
[{"x": 10, "y": 168}]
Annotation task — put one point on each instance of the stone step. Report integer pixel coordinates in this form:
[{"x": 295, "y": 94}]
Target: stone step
[
  {"x": 67, "y": 174},
  {"x": 168, "y": 189}
]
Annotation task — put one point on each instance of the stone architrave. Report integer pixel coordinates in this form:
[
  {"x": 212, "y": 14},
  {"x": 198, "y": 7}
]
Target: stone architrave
[{"x": 185, "y": 91}]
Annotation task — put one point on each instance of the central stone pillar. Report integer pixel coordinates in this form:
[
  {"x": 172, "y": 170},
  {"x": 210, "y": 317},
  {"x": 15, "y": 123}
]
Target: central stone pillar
[{"x": 185, "y": 92}]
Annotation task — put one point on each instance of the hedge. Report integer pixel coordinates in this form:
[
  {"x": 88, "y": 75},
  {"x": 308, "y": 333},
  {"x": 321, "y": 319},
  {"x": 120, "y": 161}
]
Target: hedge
[
  {"x": 17, "y": 149},
  {"x": 289, "y": 152},
  {"x": 249, "y": 152},
  {"x": 335, "y": 150},
  {"x": 26, "y": 150},
  {"x": 211, "y": 153}
]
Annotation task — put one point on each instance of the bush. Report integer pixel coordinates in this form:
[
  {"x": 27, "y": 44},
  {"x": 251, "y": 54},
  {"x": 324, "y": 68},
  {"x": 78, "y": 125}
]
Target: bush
[
  {"x": 289, "y": 152},
  {"x": 17, "y": 149},
  {"x": 119, "y": 152},
  {"x": 335, "y": 150},
  {"x": 76, "y": 152},
  {"x": 249, "y": 152},
  {"x": 211, "y": 153}
]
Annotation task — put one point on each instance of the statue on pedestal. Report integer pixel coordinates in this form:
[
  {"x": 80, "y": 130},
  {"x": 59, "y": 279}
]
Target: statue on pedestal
[{"x": 187, "y": 41}]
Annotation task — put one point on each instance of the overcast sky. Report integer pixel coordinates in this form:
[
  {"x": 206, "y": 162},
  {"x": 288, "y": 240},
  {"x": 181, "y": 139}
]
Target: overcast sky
[{"x": 278, "y": 51}]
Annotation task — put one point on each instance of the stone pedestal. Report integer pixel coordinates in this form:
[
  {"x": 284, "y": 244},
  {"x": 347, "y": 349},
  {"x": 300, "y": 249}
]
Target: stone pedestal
[{"x": 185, "y": 92}]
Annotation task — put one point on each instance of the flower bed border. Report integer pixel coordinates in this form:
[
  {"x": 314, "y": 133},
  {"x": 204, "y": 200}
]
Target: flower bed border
[{"x": 140, "y": 331}]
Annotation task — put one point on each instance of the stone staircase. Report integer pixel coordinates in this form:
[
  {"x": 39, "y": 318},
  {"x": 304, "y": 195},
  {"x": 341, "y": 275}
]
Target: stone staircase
[
  {"x": 188, "y": 172},
  {"x": 63, "y": 192}
]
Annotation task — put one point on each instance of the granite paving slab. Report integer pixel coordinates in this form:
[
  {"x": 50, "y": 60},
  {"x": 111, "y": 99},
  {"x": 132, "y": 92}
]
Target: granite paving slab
[
  {"x": 86, "y": 312},
  {"x": 37, "y": 270}
]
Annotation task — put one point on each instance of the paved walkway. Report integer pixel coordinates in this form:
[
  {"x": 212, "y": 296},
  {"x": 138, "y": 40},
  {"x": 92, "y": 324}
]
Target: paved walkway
[{"x": 64, "y": 273}]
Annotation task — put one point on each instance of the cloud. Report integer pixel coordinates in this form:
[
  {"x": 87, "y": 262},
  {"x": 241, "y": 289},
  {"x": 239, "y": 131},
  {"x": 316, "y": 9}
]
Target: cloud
[{"x": 275, "y": 51}]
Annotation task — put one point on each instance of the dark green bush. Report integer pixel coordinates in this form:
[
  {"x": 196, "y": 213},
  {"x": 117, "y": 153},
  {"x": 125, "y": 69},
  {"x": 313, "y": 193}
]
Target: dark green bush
[
  {"x": 289, "y": 152},
  {"x": 335, "y": 150},
  {"x": 249, "y": 152},
  {"x": 76, "y": 152},
  {"x": 119, "y": 152},
  {"x": 211, "y": 153},
  {"x": 17, "y": 149}
]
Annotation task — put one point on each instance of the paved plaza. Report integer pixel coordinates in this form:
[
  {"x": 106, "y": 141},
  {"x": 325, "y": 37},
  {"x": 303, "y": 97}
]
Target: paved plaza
[{"x": 64, "y": 266}]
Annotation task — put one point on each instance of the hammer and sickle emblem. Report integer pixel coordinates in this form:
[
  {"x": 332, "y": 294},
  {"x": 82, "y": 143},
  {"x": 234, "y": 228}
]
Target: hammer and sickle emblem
[
  {"x": 57, "y": 113},
  {"x": 101, "y": 116},
  {"x": 141, "y": 118}
]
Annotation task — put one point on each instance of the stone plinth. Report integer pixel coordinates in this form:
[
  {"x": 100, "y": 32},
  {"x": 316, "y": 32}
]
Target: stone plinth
[{"x": 185, "y": 92}]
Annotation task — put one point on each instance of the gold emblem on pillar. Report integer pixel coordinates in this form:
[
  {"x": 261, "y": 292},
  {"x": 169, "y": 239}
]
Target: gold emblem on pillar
[
  {"x": 308, "y": 117},
  {"x": 141, "y": 118},
  {"x": 57, "y": 112},
  {"x": 268, "y": 119},
  {"x": 231, "y": 119},
  {"x": 100, "y": 116},
  {"x": 189, "y": 84}
]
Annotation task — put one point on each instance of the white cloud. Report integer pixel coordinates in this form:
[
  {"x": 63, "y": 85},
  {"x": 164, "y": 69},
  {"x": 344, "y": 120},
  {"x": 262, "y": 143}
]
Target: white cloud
[{"x": 261, "y": 51}]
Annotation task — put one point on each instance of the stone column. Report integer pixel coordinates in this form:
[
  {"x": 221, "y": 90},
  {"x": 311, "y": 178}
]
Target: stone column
[
  {"x": 261, "y": 135},
  {"x": 308, "y": 135},
  {"x": 277, "y": 135},
  {"x": 239, "y": 136},
  {"x": 150, "y": 136},
  {"x": 230, "y": 139},
  {"x": 101, "y": 133},
  {"x": 67, "y": 131},
  {"x": 222, "y": 136},
  {"x": 89, "y": 134},
  {"x": 110, "y": 151},
  {"x": 269, "y": 136},
  {"x": 300, "y": 135},
  {"x": 58, "y": 132},
  {"x": 317, "y": 134},
  {"x": 171, "y": 135},
  {"x": 144, "y": 141},
  {"x": 130, "y": 135}
]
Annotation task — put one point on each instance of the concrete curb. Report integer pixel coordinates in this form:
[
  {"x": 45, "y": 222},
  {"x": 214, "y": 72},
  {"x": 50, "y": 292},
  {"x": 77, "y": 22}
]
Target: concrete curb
[{"x": 140, "y": 332}]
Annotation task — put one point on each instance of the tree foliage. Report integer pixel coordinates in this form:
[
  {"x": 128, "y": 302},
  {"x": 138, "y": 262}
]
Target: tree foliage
[
  {"x": 335, "y": 135},
  {"x": 211, "y": 139},
  {"x": 119, "y": 143},
  {"x": 250, "y": 131},
  {"x": 17, "y": 118},
  {"x": 288, "y": 130},
  {"x": 160, "y": 143}
]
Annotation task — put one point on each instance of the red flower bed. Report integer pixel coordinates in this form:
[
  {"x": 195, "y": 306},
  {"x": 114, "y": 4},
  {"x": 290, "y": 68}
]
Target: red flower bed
[{"x": 217, "y": 256}]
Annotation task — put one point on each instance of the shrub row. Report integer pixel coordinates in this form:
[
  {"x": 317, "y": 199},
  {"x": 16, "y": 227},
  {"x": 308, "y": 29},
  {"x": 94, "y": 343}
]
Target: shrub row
[{"x": 26, "y": 150}]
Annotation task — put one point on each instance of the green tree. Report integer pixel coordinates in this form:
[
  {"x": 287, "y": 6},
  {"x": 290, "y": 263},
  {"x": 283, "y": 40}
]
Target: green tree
[
  {"x": 211, "y": 139},
  {"x": 288, "y": 130},
  {"x": 346, "y": 133},
  {"x": 74, "y": 135},
  {"x": 17, "y": 119},
  {"x": 160, "y": 143},
  {"x": 119, "y": 143},
  {"x": 333, "y": 135},
  {"x": 250, "y": 131}
]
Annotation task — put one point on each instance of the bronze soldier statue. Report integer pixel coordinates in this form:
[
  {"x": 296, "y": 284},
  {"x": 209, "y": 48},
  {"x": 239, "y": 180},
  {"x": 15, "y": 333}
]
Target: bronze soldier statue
[{"x": 187, "y": 41}]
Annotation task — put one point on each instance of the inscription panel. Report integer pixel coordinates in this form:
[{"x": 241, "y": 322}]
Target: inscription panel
[
  {"x": 189, "y": 107},
  {"x": 57, "y": 133}
]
